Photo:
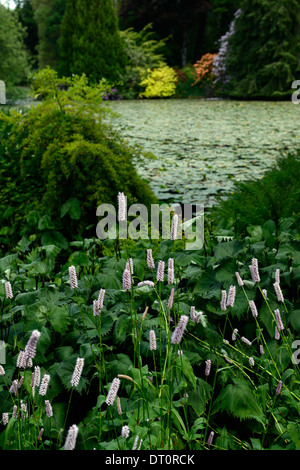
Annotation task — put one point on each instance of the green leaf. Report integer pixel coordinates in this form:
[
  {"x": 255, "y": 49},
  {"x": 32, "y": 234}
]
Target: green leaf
[
  {"x": 52, "y": 237},
  {"x": 121, "y": 328},
  {"x": 255, "y": 232},
  {"x": 213, "y": 337},
  {"x": 295, "y": 320},
  {"x": 199, "y": 398},
  {"x": 59, "y": 318},
  {"x": 179, "y": 423},
  {"x": 256, "y": 444},
  {"x": 51, "y": 251},
  {"x": 43, "y": 345},
  {"x": 207, "y": 286},
  {"x": 27, "y": 298},
  {"x": 269, "y": 233},
  {"x": 294, "y": 431},
  {"x": 8, "y": 261},
  {"x": 122, "y": 364},
  {"x": 9, "y": 431},
  {"x": 109, "y": 281},
  {"x": 79, "y": 258},
  {"x": 227, "y": 249},
  {"x": 184, "y": 259},
  {"x": 239, "y": 400},
  {"x": 45, "y": 223},
  {"x": 226, "y": 271},
  {"x": 64, "y": 352},
  {"x": 71, "y": 207},
  {"x": 32, "y": 218},
  {"x": 184, "y": 364}
]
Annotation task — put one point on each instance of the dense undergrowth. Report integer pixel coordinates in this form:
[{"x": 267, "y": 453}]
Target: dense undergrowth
[
  {"x": 254, "y": 202},
  {"x": 170, "y": 395}
]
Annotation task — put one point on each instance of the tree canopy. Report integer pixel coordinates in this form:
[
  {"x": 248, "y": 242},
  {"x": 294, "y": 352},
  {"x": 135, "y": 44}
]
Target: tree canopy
[
  {"x": 264, "y": 54},
  {"x": 14, "y": 58},
  {"x": 90, "y": 41},
  {"x": 183, "y": 21}
]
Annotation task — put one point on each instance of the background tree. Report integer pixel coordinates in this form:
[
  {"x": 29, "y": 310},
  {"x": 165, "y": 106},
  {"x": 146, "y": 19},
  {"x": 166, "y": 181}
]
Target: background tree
[
  {"x": 144, "y": 53},
  {"x": 26, "y": 17},
  {"x": 48, "y": 16},
  {"x": 183, "y": 21},
  {"x": 14, "y": 58},
  {"x": 90, "y": 40},
  {"x": 218, "y": 19},
  {"x": 264, "y": 54}
]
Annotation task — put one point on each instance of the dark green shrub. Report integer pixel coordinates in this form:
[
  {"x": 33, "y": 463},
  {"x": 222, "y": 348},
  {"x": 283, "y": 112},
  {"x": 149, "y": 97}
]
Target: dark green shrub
[
  {"x": 185, "y": 87},
  {"x": 59, "y": 152},
  {"x": 275, "y": 196}
]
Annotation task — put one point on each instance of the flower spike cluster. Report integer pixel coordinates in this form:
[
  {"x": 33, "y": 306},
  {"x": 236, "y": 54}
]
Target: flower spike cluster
[
  {"x": 179, "y": 330},
  {"x": 77, "y": 372},
  {"x": 254, "y": 271},
  {"x": 71, "y": 437},
  {"x": 8, "y": 290},
  {"x": 160, "y": 271},
  {"x": 73, "y": 277},
  {"x": 122, "y": 207},
  {"x": 113, "y": 391}
]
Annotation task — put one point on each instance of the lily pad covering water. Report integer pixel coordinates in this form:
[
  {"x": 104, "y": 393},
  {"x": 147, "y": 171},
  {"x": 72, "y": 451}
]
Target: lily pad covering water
[{"x": 204, "y": 146}]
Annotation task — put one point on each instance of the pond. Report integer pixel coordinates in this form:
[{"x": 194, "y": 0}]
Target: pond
[{"x": 203, "y": 146}]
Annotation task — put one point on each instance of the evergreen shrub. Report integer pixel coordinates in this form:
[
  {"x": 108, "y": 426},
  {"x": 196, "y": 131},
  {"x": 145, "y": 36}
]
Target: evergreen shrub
[
  {"x": 61, "y": 154},
  {"x": 273, "y": 197}
]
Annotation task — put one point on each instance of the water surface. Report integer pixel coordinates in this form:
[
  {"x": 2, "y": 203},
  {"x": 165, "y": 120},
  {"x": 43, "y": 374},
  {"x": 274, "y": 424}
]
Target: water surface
[{"x": 204, "y": 146}]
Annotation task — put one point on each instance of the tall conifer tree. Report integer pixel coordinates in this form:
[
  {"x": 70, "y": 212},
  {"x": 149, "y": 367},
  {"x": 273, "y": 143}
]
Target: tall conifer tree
[
  {"x": 90, "y": 42},
  {"x": 264, "y": 53},
  {"x": 48, "y": 15}
]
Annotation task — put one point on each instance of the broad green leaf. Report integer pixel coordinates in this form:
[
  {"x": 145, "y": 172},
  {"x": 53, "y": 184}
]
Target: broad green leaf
[
  {"x": 226, "y": 271},
  {"x": 8, "y": 261},
  {"x": 199, "y": 397},
  {"x": 71, "y": 207},
  {"x": 79, "y": 258},
  {"x": 207, "y": 286},
  {"x": 45, "y": 223},
  {"x": 184, "y": 364},
  {"x": 59, "y": 318},
  {"x": 227, "y": 249},
  {"x": 64, "y": 352},
  {"x": 121, "y": 328},
  {"x": 51, "y": 251},
  {"x": 52, "y": 237},
  {"x": 109, "y": 281},
  {"x": 239, "y": 400},
  {"x": 32, "y": 218},
  {"x": 256, "y": 444},
  {"x": 27, "y": 298},
  {"x": 295, "y": 320},
  {"x": 294, "y": 431},
  {"x": 255, "y": 232}
]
